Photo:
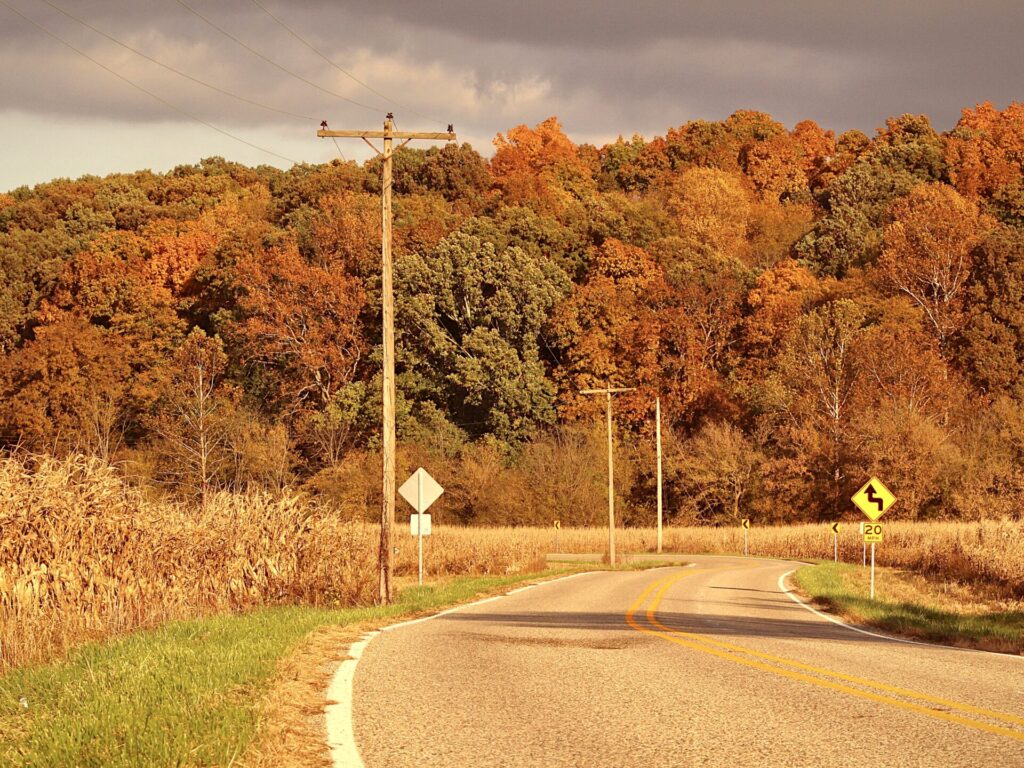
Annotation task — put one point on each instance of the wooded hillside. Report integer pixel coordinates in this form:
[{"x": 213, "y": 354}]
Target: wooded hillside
[{"x": 810, "y": 308}]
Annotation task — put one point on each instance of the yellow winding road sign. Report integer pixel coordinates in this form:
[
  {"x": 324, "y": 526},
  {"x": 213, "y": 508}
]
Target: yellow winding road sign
[
  {"x": 874, "y": 499},
  {"x": 835, "y": 527}
]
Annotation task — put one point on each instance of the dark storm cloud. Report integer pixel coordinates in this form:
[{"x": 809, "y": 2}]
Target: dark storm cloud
[{"x": 603, "y": 67}]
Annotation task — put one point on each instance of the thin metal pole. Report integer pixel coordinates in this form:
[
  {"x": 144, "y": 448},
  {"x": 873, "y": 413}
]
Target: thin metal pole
[
  {"x": 657, "y": 432},
  {"x": 419, "y": 518},
  {"x": 872, "y": 570},
  {"x": 835, "y": 542},
  {"x": 611, "y": 481},
  {"x": 745, "y": 532}
]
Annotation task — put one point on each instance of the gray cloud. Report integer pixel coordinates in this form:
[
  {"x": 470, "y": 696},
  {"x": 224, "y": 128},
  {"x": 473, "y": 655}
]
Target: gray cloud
[{"x": 603, "y": 67}]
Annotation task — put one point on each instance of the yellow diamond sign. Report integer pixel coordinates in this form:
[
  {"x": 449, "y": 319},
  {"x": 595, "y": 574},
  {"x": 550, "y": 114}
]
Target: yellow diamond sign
[{"x": 874, "y": 499}]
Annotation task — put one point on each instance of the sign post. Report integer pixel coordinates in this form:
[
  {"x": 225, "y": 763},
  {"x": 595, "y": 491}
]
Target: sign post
[
  {"x": 874, "y": 500},
  {"x": 835, "y": 541},
  {"x": 873, "y": 534},
  {"x": 558, "y": 527},
  {"x": 420, "y": 490},
  {"x": 746, "y": 529}
]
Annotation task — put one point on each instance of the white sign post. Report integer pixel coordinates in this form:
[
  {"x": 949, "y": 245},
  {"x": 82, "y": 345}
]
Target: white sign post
[{"x": 420, "y": 490}]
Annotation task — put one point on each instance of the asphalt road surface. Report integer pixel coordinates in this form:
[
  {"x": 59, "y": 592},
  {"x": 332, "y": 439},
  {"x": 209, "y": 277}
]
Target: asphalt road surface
[{"x": 710, "y": 665}]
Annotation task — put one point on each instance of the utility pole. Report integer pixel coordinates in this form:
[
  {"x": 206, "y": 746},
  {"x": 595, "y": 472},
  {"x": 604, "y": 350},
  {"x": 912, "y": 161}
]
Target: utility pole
[
  {"x": 608, "y": 392},
  {"x": 657, "y": 434},
  {"x": 385, "y": 569}
]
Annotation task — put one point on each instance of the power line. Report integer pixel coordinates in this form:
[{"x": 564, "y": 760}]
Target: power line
[
  {"x": 172, "y": 69},
  {"x": 273, "y": 63},
  {"x": 343, "y": 71},
  {"x": 149, "y": 93}
]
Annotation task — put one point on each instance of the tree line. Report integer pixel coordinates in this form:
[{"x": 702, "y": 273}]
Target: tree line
[{"x": 810, "y": 308}]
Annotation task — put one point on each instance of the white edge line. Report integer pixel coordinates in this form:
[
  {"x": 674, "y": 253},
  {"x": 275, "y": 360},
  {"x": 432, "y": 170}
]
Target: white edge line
[
  {"x": 834, "y": 620},
  {"x": 341, "y": 738}
]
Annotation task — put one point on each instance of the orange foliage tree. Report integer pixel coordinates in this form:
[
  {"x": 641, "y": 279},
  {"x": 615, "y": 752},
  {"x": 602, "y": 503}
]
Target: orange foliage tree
[
  {"x": 927, "y": 253},
  {"x": 540, "y": 167},
  {"x": 298, "y": 326},
  {"x": 985, "y": 150}
]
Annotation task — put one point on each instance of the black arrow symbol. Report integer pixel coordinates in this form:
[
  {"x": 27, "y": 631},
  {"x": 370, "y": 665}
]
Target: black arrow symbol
[{"x": 876, "y": 500}]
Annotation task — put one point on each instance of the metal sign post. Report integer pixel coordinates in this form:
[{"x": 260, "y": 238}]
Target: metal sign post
[
  {"x": 419, "y": 522},
  {"x": 872, "y": 570},
  {"x": 746, "y": 529},
  {"x": 835, "y": 540},
  {"x": 420, "y": 490},
  {"x": 872, "y": 533}
]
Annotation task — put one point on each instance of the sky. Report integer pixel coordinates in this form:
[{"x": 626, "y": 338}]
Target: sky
[{"x": 604, "y": 67}]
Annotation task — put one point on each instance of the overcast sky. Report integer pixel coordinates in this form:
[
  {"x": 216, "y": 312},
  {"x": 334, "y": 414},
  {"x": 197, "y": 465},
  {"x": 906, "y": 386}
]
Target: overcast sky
[{"x": 604, "y": 67}]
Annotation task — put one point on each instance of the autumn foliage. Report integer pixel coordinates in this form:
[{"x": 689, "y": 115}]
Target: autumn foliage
[{"x": 811, "y": 308}]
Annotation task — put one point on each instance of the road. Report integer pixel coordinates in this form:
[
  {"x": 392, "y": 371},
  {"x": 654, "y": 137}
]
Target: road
[{"x": 710, "y": 665}]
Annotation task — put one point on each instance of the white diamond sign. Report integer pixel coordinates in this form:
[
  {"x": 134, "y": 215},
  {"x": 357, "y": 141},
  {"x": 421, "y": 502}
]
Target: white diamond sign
[{"x": 421, "y": 490}]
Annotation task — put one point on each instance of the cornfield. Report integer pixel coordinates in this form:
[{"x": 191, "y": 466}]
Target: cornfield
[{"x": 85, "y": 556}]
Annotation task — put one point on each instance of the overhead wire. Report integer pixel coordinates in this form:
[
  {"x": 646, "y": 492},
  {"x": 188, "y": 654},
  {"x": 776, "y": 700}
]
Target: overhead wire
[
  {"x": 144, "y": 90},
  {"x": 176, "y": 71},
  {"x": 273, "y": 63},
  {"x": 341, "y": 69}
]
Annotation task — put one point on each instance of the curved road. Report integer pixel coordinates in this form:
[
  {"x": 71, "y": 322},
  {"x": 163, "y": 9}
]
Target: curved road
[{"x": 710, "y": 665}]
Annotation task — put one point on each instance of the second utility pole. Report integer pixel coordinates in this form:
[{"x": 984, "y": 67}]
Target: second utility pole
[
  {"x": 608, "y": 392},
  {"x": 657, "y": 433},
  {"x": 385, "y": 569}
]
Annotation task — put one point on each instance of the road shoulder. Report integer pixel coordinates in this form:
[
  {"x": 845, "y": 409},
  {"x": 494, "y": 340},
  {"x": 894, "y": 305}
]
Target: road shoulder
[{"x": 912, "y": 608}]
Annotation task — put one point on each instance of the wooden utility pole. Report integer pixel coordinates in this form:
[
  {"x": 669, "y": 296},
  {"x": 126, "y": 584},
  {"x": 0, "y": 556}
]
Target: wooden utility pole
[
  {"x": 385, "y": 568},
  {"x": 608, "y": 392},
  {"x": 657, "y": 434}
]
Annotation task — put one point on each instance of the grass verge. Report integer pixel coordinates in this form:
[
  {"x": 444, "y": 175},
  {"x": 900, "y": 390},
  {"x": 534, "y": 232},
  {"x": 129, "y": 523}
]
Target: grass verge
[
  {"x": 190, "y": 693},
  {"x": 912, "y": 605}
]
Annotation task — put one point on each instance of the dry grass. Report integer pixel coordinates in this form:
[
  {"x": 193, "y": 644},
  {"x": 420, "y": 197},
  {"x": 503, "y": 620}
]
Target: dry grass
[
  {"x": 84, "y": 556},
  {"x": 292, "y": 716}
]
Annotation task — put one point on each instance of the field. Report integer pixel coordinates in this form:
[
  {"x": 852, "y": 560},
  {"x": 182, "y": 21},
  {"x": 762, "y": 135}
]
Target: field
[{"x": 83, "y": 556}]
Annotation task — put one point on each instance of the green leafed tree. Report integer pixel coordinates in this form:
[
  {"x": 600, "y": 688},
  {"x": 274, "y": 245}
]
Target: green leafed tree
[
  {"x": 857, "y": 203},
  {"x": 469, "y": 323}
]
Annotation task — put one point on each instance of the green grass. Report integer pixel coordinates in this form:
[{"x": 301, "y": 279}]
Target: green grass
[
  {"x": 185, "y": 694},
  {"x": 914, "y": 606}
]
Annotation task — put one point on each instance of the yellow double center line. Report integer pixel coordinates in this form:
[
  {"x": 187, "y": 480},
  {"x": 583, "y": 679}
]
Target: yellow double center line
[{"x": 823, "y": 678}]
